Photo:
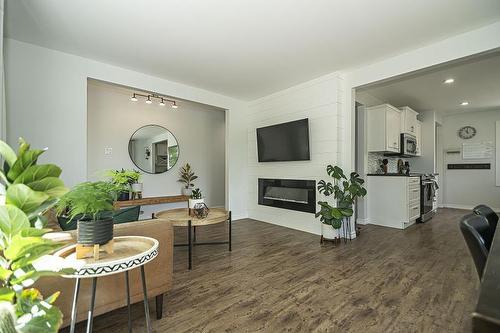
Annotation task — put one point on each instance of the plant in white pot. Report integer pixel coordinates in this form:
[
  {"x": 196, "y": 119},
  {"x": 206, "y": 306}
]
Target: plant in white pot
[
  {"x": 195, "y": 198},
  {"x": 127, "y": 181},
  {"x": 345, "y": 192},
  {"x": 187, "y": 176}
]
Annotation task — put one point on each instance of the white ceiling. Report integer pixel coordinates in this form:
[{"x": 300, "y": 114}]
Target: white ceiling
[
  {"x": 242, "y": 48},
  {"x": 476, "y": 81}
]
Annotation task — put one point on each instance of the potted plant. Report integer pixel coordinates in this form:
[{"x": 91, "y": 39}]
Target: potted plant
[
  {"x": 126, "y": 180},
  {"x": 345, "y": 192},
  {"x": 195, "y": 198},
  {"x": 29, "y": 190},
  {"x": 91, "y": 205},
  {"x": 187, "y": 176}
]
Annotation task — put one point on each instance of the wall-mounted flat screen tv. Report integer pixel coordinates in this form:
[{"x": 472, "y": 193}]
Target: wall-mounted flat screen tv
[{"x": 284, "y": 142}]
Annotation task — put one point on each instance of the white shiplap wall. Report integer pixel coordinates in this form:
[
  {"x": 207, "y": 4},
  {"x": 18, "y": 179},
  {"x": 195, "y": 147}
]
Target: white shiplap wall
[{"x": 320, "y": 100}]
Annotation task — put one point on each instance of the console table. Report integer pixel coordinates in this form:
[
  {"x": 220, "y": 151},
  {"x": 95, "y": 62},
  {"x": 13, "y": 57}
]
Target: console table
[
  {"x": 180, "y": 218},
  {"x": 151, "y": 201}
]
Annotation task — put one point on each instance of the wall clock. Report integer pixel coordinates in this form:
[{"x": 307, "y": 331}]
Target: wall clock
[{"x": 467, "y": 132}]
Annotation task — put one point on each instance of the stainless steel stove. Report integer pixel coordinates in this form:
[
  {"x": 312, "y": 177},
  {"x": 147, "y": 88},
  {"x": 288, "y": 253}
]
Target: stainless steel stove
[{"x": 428, "y": 190}]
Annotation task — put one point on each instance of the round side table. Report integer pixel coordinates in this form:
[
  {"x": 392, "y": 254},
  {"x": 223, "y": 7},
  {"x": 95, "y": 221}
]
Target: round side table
[
  {"x": 129, "y": 252},
  {"x": 180, "y": 218}
]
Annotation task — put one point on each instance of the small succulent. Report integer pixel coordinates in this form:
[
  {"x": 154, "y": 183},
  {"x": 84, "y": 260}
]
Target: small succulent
[{"x": 196, "y": 194}]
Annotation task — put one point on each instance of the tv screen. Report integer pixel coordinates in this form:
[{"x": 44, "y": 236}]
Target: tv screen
[{"x": 284, "y": 142}]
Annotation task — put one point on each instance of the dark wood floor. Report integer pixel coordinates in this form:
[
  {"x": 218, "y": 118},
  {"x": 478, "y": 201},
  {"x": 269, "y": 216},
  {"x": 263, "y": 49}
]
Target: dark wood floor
[{"x": 281, "y": 280}]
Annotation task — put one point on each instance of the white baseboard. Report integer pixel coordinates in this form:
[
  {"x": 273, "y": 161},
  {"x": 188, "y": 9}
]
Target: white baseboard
[
  {"x": 465, "y": 207},
  {"x": 363, "y": 221}
]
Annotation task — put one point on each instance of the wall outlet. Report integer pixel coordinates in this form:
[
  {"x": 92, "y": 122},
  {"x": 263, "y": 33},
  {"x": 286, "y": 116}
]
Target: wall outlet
[{"x": 108, "y": 151}]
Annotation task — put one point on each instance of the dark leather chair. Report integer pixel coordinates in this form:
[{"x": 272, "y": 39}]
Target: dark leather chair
[
  {"x": 474, "y": 228},
  {"x": 492, "y": 218}
]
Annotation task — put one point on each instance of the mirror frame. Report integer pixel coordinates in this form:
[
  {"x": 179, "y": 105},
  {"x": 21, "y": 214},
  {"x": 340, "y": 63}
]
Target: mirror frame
[{"x": 166, "y": 129}]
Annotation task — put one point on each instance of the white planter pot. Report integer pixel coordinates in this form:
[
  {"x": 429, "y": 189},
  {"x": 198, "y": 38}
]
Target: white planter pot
[
  {"x": 328, "y": 232},
  {"x": 136, "y": 187},
  {"x": 187, "y": 191},
  {"x": 193, "y": 202}
]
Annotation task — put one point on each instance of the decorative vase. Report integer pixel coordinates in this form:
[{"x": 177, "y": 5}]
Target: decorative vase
[
  {"x": 123, "y": 196},
  {"x": 187, "y": 191},
  {"x": 329, "y": 232},
  {"x": 92, "y": 232},
  {"x": 193, "y": 202}
]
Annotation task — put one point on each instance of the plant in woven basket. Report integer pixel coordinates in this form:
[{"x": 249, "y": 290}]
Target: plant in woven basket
[{"x": 30, "y": 190}]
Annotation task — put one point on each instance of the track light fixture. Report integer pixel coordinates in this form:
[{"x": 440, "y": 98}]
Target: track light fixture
[{"x": 149, "y": 99}]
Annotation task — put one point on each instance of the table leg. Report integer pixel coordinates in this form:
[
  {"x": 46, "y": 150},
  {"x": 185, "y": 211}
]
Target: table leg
[
  {"x": 230, "y": 231},
  {"x": 73, "y": 307},
  {"x": 194, "y": 234},
  {"x": 146, "y": 305},
  {"x": 90, "y": 317},
  {"x": 190, "y": 247},
  {"x": 128, "y": 302}
]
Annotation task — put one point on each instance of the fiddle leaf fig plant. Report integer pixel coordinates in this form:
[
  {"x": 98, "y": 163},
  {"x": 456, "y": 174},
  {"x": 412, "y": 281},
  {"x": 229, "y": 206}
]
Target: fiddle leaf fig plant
[
  {"x": 187, "y": 176},
  {"x": 29, "y": 191},
  {"x": 345, "y": 192}
]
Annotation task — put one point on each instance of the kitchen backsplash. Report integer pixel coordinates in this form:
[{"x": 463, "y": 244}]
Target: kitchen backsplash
[{"x": 375, "y": 160}]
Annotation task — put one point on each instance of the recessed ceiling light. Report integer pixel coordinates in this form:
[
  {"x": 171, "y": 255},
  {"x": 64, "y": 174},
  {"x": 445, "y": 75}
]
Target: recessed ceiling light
[
  {"x": 448, "y": 81},
  {"x": 464, "y": 103},
  {"x": 133, "y": 99}
]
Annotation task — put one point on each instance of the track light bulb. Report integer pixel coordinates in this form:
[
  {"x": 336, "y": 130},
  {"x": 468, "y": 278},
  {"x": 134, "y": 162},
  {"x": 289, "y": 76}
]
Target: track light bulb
[
  {"x": 162, "y": 103},
  {"x": 148, "y": 101},
  {"x": 174, "y": 105},
  {"x": 133, "y": 98}
]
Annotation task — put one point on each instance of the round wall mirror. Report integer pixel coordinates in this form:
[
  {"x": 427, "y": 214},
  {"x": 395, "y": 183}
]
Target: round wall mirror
[{"x": 153, "y": 149}]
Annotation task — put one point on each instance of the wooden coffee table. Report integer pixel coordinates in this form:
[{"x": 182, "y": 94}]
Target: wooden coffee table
[{"x": 180, "y": 218}]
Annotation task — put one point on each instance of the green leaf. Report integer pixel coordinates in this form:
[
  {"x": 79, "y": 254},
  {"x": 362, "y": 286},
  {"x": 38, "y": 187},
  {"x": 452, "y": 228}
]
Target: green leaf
[
  {"x": 25, "y": 198},
  {"x": 7, "y": 153},
  {"x": 48, "y": 322},
  {"x": 24, "y": 161},
  {"x": 33, "y": 275},
  {"x": 12, "y": 221},
  {"x": 42, "y": 209},
  {"x": 24, "y": 250},
  {"x": 6, "y": 294},
  {"x": 34, "y": 232},
  {"x": 38, "y": 172},
  {"x": 52, "y": 298},
  {"x": 4, "y": 273},
  {"x": 52, "y": 186}
]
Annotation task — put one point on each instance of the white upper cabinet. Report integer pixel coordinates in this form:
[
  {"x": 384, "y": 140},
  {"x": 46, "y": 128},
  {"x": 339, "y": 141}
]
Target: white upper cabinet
[
  {"x": 383, "y": 128},
  {"x": 418, "y": 135},
  {"x": 408, "y": 120}
]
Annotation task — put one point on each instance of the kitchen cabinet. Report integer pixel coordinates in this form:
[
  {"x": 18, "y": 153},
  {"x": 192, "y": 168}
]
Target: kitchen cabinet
[
  {"x": 393, "y": 201},
  {"x": 409, "y": 120},
  {"x": 383, "y": 128},
  {"x": 418, "y": 135}
]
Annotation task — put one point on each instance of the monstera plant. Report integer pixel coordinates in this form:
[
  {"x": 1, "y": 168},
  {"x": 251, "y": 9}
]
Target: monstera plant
[
  {"x": 29, "y": 190},
  {"x": 345, "y": 191}
]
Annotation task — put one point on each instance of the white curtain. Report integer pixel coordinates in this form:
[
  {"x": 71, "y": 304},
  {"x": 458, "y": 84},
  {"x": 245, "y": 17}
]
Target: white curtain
[{"x": 3, "y": 112}]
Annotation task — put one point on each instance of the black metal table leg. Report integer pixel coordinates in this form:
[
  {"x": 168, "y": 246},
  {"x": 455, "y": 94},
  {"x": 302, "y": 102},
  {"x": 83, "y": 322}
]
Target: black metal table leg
[
  {"x": 194, "y": 234},
  {"x": 90, "y": 317},
  {"x": 146, "y": 305},
  {"x": 73, "y": 307},
  {"x": 128, "y": 302},
  {"x": 230, "y": 231},
  {"x": 190, "y": 246}
]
